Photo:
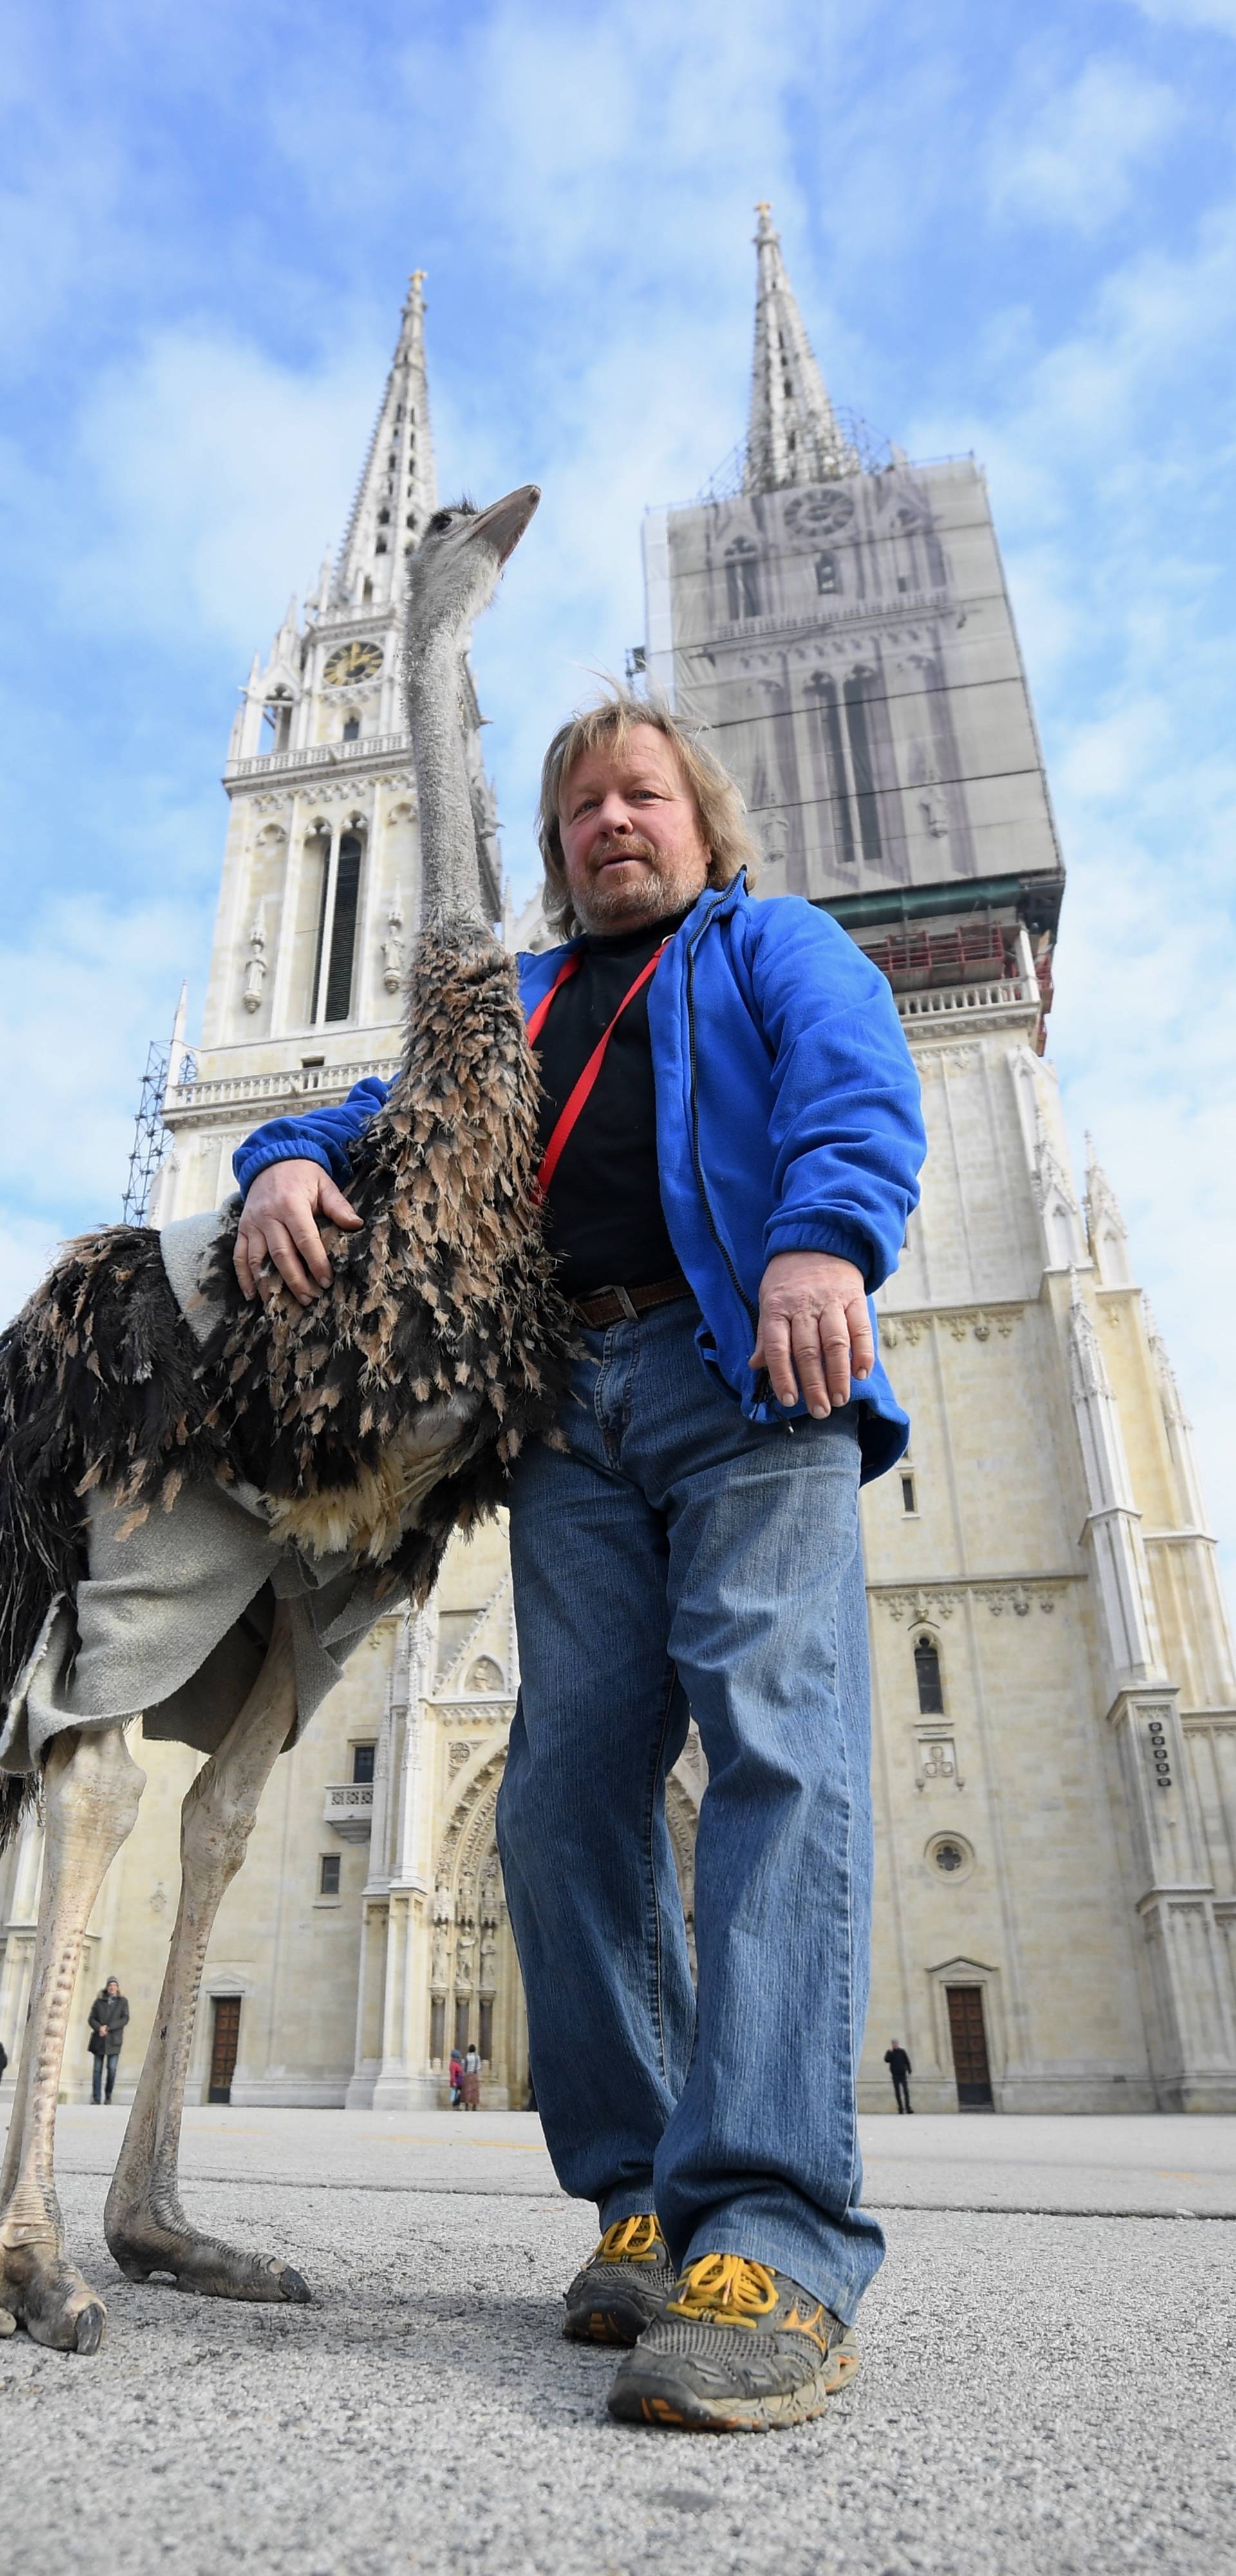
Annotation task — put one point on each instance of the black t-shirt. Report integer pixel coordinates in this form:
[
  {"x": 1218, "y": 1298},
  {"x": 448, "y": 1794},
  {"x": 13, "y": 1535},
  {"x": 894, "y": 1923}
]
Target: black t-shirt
[{"x": 603, "y": 1218}]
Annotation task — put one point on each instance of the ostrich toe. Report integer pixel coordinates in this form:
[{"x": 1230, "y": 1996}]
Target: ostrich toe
[
  {"x": 147, "y": 2249},
  {"x": 49, "y": 2297}
]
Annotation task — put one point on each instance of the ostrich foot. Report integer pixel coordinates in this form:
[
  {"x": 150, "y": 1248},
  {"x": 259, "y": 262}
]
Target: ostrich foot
[
  {"x": 45, "y": 2293},
  {"x": 145, "y": 2247}
]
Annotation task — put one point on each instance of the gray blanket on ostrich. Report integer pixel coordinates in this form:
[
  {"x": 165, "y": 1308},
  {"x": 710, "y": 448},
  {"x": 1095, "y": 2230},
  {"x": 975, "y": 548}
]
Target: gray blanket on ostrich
[{"x": 173, "y": 1618}]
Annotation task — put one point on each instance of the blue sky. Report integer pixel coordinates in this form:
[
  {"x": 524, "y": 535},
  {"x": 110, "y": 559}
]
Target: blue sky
[{"x": 1010, "y": 234}]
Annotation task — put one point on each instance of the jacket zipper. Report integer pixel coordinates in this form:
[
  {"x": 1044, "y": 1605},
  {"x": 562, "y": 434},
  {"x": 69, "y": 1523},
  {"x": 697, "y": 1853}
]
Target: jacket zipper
[{"x": 753, "y": 1313}]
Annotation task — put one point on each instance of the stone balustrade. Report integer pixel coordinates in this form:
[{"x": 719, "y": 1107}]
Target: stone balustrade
[
  {"x": 319, "y": 755},
  {"x": 348, "y": 1809},
  {"x": 241, "y": 1091}
]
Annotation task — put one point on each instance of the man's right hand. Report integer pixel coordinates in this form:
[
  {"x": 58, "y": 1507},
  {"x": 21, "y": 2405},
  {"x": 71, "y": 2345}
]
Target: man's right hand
[{"x": 279, "y": 1229}]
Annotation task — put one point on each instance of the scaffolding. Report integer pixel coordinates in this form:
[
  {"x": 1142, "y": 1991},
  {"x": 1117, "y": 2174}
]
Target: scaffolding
[
  {"x": 744, "y": 470},
  {"x": 167, "y": 1061}
]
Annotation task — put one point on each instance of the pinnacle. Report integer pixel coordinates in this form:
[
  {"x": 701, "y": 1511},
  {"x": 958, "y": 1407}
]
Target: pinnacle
[
  {"x": 793, "y": 435},
  {"x": 398, "y": 489}
]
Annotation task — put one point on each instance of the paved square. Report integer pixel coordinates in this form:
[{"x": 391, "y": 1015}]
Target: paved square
[{"x": 1047, "y": 2376}]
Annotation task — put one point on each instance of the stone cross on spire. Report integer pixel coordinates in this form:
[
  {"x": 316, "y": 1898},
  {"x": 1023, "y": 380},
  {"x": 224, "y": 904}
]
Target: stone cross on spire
[
  {"x": 793, "y": 435},
  {"x": 398, "y": 489}
]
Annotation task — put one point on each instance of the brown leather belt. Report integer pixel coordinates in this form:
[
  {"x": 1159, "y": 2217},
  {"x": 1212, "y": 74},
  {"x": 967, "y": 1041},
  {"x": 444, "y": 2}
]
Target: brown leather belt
[{"x": 616, "y": 1305}]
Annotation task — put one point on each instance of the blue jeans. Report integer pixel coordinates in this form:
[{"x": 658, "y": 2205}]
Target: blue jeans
[
  {"x": 678, "y": 1559},
  {"x": 113, "y": 2058}
]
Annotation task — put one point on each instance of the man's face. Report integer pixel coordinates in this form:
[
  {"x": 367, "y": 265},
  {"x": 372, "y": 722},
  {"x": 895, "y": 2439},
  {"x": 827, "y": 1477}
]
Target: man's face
[{"x": 631, "y": 837}]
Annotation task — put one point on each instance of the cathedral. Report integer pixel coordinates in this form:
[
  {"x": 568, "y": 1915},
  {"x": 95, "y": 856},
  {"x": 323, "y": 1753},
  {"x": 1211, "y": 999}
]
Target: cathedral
[{"x": 1054, "y": 1693}]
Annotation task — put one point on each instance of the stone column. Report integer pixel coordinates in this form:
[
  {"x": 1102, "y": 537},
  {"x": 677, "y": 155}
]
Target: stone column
[{"x": 1191, "y": 2034}]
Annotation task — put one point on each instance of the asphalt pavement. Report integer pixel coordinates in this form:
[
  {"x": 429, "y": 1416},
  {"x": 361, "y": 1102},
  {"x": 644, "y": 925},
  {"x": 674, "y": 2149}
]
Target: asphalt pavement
[{"x": 1048, "y": 2371}]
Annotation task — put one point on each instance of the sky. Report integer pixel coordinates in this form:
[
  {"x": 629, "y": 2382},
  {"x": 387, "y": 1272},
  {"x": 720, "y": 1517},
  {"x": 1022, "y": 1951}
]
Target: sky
[{"x": 1010, "y": 233}]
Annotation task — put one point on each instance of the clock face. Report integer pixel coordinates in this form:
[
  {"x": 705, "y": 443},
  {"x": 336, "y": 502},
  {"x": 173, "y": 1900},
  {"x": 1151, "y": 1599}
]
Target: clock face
[
  {"x": 353, "y": 662},
  {"x": 819, "y": 514}
]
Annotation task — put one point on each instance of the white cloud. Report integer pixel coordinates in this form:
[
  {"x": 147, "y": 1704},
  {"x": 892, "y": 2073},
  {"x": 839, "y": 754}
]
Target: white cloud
[
  {"x": 212, "y": 475},
  {"x": 86, "y": 990},
  {"x": 1073, "y": 157},
  {"x": 1220, "y": 15}
]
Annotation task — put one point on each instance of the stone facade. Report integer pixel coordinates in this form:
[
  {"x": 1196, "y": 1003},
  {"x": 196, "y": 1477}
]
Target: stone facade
[{"x": 1054, "y": 1701}]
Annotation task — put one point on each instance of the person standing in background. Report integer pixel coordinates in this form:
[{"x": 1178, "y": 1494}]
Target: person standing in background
[
  {"x": 108, "y": 2015},
  {"x": 900, "y": 2069}
]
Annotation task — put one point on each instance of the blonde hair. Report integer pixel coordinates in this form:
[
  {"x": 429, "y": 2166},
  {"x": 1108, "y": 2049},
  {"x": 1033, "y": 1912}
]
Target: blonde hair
[{"x": 718, "y": 801}]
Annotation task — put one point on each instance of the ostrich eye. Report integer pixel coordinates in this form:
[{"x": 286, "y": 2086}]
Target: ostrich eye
[{"x": 439, "y": 523}]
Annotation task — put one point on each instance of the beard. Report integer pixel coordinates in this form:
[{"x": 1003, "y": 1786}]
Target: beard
[{"x": 665, "y": 885}]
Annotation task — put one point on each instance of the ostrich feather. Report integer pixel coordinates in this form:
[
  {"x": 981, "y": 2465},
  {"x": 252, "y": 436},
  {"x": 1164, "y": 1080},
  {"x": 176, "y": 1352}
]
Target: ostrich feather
[{"x": 375, "y": 1421}]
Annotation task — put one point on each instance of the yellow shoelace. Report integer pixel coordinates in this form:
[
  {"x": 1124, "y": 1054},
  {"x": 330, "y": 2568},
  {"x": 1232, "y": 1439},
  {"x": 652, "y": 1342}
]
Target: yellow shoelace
[
  {"x": 630, "y": 2240},
  {"x": 725, "y": 2290}
]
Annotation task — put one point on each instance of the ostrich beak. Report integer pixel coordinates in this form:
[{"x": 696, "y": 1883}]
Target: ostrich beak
[{"x": 503, "y": 523}]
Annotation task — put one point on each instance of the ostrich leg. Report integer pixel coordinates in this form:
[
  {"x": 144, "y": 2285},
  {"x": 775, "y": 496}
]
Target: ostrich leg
[
  {"x": 91, "y": 1787},
  {"x": 146, "y": 2227}
]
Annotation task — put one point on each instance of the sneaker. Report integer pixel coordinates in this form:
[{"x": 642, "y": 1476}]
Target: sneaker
[
  {"x": 623, "y": 2286},
  {"x": 739, "y": 2348}
]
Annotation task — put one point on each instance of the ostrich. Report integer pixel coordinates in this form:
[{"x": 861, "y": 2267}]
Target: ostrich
[{"x": 138, "y": 1393}]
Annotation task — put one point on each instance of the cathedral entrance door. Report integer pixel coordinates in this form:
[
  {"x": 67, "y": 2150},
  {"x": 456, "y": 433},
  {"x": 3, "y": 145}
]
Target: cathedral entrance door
[
  {"x": 968, "y": 2033},
  {"x": 224, "y": 2042}
]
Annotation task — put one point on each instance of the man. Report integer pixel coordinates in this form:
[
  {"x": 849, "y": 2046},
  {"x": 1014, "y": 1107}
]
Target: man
[
  {"x": 731, "y": 1137},
  {"x": 108, "y": 2014},
  {"x": 900, "y": 2069}
]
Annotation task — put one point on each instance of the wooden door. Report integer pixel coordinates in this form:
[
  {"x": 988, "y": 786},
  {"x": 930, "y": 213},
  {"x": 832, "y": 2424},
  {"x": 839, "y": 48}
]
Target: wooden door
[
  {"x": 224, "y": 2042},
  {"x": 968, "y": 2033}
]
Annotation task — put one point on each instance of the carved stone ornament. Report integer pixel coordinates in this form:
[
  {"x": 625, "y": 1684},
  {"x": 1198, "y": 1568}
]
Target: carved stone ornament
[
  {"x": 392, "y": 947},
  {"x": 960, "y": 1057},
  {"x": 926, "y": 1602},
  {"x": 457, "y": 1755},
  {"x": 903, "y": 1328},
  {"x": 937, "y": 1760},
  {"x": 485, "y": 1675},
  {"x": 255, "y": 970},
  {"x": 1015, "y": 1597},
  {"x": 1086, "y": 1364}
]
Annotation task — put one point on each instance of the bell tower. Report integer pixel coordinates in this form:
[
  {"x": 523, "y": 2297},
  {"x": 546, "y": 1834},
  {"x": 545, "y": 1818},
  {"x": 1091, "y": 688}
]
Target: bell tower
[
  {"x": 321, "y": 873},
  {"x": 1054, "y": 1677}
]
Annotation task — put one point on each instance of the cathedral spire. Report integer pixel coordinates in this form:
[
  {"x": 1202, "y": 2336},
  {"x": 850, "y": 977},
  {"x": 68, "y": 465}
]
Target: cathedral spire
[
  {"x": 398, "y": 488},
  {"x": 793, "y": 435}
]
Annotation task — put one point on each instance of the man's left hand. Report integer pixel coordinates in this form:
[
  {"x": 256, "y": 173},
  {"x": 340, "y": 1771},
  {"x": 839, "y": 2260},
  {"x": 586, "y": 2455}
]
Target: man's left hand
[{"x": 813, "y": 1321}]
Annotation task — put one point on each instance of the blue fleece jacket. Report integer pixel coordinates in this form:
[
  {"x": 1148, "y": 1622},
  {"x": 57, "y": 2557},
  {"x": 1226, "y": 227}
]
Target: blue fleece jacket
[{"x": 788, "y": 1120}]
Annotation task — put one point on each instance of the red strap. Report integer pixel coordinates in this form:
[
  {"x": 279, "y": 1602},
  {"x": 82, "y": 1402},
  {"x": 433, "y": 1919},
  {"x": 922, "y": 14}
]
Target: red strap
[
  {"x": 569, "y": 1113},
  {"x": 537, "y": 1021}
]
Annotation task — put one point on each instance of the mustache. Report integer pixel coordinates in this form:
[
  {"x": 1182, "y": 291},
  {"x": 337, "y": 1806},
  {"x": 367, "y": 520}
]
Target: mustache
[{"x": 631, "y": 846}]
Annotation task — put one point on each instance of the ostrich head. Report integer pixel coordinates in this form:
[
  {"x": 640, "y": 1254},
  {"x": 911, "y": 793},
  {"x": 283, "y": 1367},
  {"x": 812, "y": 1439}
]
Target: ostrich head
[
  {"x": 452, "y": 576},
  {"x": 456, "y": 569}
]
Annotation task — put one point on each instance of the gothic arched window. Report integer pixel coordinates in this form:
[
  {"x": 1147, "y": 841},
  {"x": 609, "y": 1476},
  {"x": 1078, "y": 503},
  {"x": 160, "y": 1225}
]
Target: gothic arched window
[
  {"x": 336, "y": 994},
  {"x": 742, "y": 579},
  {"x": 276, "y": 722},
  {"x": 927, "y": 1676},
  {"x": 351, "y": 730},
  {"x": 826, "y": 576},
  {"x": 343, "y": 929},
  {"x": 825, "y": 690},
  {"x": 857, "y": 691}
]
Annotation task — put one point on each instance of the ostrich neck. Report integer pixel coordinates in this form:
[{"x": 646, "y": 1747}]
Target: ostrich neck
[{"x": 450, "y": 877}]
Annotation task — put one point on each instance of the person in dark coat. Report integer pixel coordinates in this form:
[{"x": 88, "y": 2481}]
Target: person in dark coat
[
  {"x": 108, "y": 2014},
  {"x": 900, "y": 2069}
]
